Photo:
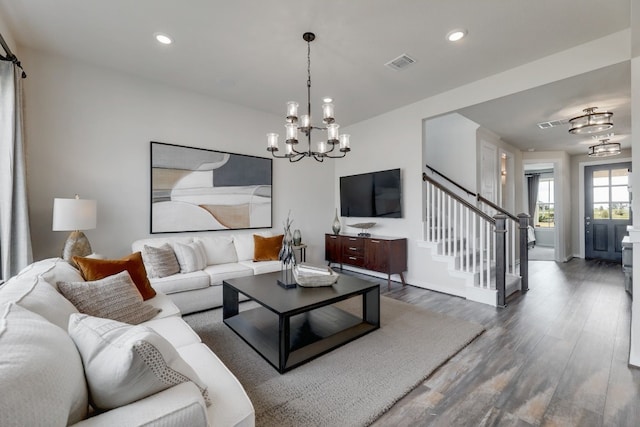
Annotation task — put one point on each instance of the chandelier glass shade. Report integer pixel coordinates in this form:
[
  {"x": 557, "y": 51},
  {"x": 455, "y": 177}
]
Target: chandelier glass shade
[
  {"x": 604, "y": 149},
  {"x": 335, "y": 145},
  {"x": 591, "y": 122}
]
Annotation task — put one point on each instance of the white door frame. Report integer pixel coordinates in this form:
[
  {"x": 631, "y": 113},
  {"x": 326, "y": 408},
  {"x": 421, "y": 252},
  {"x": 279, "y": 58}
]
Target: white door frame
[{"x": 510, "y": 181}]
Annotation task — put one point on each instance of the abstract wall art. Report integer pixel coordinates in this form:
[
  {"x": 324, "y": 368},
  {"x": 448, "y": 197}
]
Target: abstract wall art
[{"x": 195, "y": 189}]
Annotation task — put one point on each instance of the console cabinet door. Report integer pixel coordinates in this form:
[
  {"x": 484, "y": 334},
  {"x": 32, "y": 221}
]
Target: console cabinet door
[
  {"x": 332, "y": 249},
  {"x": 376, "y": 255}
]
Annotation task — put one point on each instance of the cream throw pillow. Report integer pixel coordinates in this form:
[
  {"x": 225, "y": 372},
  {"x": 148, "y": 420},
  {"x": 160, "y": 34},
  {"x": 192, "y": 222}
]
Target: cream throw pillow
[
  {"x": 41, "y": 376},
  {"x": 161, "y": 261},
  {"x": 191, "y": 256},
  {"x": 114, "y": 297},
  {"x": 125, "y": 363}
]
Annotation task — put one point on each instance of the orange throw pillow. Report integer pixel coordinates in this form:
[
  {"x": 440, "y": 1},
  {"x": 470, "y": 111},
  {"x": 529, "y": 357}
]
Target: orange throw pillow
[
  {"x": 266, "y": 248},
  {"x": 96, "y": 269}
]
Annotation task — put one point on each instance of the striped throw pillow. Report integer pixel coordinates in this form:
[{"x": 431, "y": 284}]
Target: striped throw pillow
[{"x": 161, "y": 261}]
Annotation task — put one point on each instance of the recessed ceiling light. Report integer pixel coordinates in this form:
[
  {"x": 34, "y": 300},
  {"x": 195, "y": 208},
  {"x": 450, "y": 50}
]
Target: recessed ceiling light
[
  {"x": 163, "y": 38},
  {"x": 455, "y": 35},
  {"x": 327, "y": 100}
]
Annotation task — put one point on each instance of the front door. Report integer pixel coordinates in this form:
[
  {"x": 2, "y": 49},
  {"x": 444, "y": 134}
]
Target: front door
[{"x": 607, "y": 210}]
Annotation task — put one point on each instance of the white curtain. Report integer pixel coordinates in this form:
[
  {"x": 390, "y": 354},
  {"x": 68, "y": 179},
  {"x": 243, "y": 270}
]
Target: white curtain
[{"x": 15, "y": 237}]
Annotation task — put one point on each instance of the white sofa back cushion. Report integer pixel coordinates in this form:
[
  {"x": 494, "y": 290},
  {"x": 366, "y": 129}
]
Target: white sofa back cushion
[
  {"x": 219, "y": 249},
  {"x": 125, "y": 363},
  {"x": 40, "y": 297},
  {"x": 40, "y": 371},
  {"x": 52, "y": 270}
]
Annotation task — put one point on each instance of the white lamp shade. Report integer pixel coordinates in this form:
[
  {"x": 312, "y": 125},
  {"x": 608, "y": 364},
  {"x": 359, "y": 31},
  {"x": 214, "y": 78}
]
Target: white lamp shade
[{"x": 74, "y": 214}]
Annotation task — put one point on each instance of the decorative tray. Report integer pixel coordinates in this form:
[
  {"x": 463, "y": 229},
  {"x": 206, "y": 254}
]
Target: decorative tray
[{"x": 312, "y": 277}]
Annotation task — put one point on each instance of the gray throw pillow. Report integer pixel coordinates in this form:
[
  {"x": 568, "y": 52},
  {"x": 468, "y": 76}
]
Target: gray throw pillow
[
  {"x": 115, "y": 297},
  {"x": 161, "y": 261}
]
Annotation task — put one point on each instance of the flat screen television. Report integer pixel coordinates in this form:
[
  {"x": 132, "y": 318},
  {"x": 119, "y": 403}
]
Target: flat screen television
[{"x": 373, "y": 194}]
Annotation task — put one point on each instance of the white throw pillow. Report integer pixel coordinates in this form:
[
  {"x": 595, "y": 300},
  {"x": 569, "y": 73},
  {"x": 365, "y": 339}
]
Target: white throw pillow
[
  {"x": 114, "y": 297},
  {"x": 219, "y": 249},
  {"x": 161, "y": 261},
  {"x": 191, "y": 256},
  {"x": 125, "y": 363},
  {"x": 41, "y": 376}
]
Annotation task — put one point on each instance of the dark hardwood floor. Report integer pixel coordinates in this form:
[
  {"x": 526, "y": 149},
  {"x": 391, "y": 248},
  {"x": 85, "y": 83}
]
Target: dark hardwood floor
[{"x": 556, "y": 356}]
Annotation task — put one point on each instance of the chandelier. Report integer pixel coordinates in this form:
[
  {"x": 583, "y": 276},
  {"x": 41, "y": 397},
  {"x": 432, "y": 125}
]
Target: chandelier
[
  {"x": 591, "y": 122},
  {"x": 295, "y": 124},
  {"x": 604, "y": 149}
]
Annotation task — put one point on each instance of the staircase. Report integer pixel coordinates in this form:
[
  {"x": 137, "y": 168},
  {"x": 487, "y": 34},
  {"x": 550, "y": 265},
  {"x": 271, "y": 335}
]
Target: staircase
[{"x": 481, "y": 243}]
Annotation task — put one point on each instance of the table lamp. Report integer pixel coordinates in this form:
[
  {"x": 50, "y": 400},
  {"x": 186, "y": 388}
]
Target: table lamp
[{"x": 74, "y": 215}]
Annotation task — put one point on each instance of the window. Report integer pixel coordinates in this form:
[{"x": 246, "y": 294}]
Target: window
[
  {"x": 545, "y": 207},
  {"x": 610, "y": 194}
]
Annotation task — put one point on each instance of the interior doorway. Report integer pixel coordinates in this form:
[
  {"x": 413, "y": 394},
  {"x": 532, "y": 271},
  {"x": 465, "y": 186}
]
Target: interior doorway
[{"x": 540, "y": 196}]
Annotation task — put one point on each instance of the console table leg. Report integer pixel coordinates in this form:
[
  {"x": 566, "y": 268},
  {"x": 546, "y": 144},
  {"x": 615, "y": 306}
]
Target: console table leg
[{"x": 402, "y": 278}]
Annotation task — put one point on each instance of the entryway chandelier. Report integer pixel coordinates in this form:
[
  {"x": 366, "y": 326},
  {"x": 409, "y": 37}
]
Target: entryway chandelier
[
  {"x": 304, "y": 125},
  {"x": 591, "y": 122},
  {"x": 604, "y": 149}
]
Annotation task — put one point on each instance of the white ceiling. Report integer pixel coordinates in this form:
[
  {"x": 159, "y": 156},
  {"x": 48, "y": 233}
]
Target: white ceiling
[{"x": 251, "y": 52}]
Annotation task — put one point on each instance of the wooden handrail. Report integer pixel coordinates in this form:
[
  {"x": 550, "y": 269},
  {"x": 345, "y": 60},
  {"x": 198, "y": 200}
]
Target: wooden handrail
[
  {"x": 476, "y": 195},
  {"x": 498, "y": 208},
  {"x": 462, "y": 201},
  {"x": 471, "y": 193}
]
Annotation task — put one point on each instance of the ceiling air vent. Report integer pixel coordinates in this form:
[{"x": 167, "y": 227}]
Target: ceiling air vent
[
  {"x": 552, "y": 124},
  {"x": 401, "y": 62}
]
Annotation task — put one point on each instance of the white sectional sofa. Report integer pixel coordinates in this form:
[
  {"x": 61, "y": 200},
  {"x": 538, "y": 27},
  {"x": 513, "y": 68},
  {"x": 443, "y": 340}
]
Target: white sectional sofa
[
  {"x": 227, "y": 257},
  {"x": 43, "y": 370}
]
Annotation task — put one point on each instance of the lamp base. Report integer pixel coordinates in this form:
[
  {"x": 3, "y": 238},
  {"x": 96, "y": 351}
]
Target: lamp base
[{"x": 77, "y": 244}]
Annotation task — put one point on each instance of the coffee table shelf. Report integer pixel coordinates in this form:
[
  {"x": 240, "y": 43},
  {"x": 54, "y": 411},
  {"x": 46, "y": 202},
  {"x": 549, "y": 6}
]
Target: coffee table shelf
[{"x": 293, "y": 326}]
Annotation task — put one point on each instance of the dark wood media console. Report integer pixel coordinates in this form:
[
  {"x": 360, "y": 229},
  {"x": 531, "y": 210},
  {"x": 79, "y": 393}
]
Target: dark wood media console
[{"x": 381, "y": 254}]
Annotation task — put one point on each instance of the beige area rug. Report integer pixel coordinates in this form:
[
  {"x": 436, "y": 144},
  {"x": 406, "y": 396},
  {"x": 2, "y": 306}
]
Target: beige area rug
[{"x": 352, "y": 385}]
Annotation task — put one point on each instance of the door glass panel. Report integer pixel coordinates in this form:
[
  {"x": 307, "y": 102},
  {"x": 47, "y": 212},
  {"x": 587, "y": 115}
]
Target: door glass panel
[
  {"x": 601, "y": 211},
  {"x": 620, "y": 211},
  {"x": 620, "y": 194},
  {"x": 601, "y": 194},
  {"x": 600, "y": 178},
  {"x": 619, "y": 177}
]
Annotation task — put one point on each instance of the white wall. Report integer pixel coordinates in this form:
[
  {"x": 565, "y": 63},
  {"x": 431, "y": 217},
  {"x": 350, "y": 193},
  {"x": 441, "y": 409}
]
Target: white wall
[
  {"x": 394, "y": 139},
  {"x": 448, "y": 134},
  {"x": 88, "y": 131}
]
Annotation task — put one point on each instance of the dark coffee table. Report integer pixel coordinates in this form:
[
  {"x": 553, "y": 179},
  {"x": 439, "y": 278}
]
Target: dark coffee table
[{"x": 293, "y": 326}]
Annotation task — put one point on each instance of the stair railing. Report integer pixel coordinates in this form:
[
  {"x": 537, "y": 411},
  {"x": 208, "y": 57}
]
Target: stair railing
[
  {"x": 518, "y": 240},
  {"x": 473, "y": 237}
]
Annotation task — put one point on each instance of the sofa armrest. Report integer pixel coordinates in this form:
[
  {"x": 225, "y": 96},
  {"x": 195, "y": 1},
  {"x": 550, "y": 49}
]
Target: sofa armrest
[{"x": 181, "y": 405}]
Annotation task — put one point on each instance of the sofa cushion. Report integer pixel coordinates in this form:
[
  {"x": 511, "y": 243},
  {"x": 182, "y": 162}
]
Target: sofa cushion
[
  {"x": 181, "y": 405},
  {"x": 114, "y": 297},
  {"x": 51, "y": 270},
  {"x": 160, "y": 261},
  {"x": 219, "y": 249},
  {"x": 181, "y": 282},
  {"x": 156, "y": 242},
  {"x": 96, "y": 269},
  {"x": 41, "y": 372},
  {"x": 267, "y": 248},
  {"x": 125, "y": 363},
  {"x": 40, "y": 297},
  {"x": 166, "y": 306},
  {"x": 218, "y": 273},
  {"x": 175, "y": 330},
  {"x": 262, "y": 266},
  {"x": 191, "y": 256},
  {"x": 232, "y": 406}
]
